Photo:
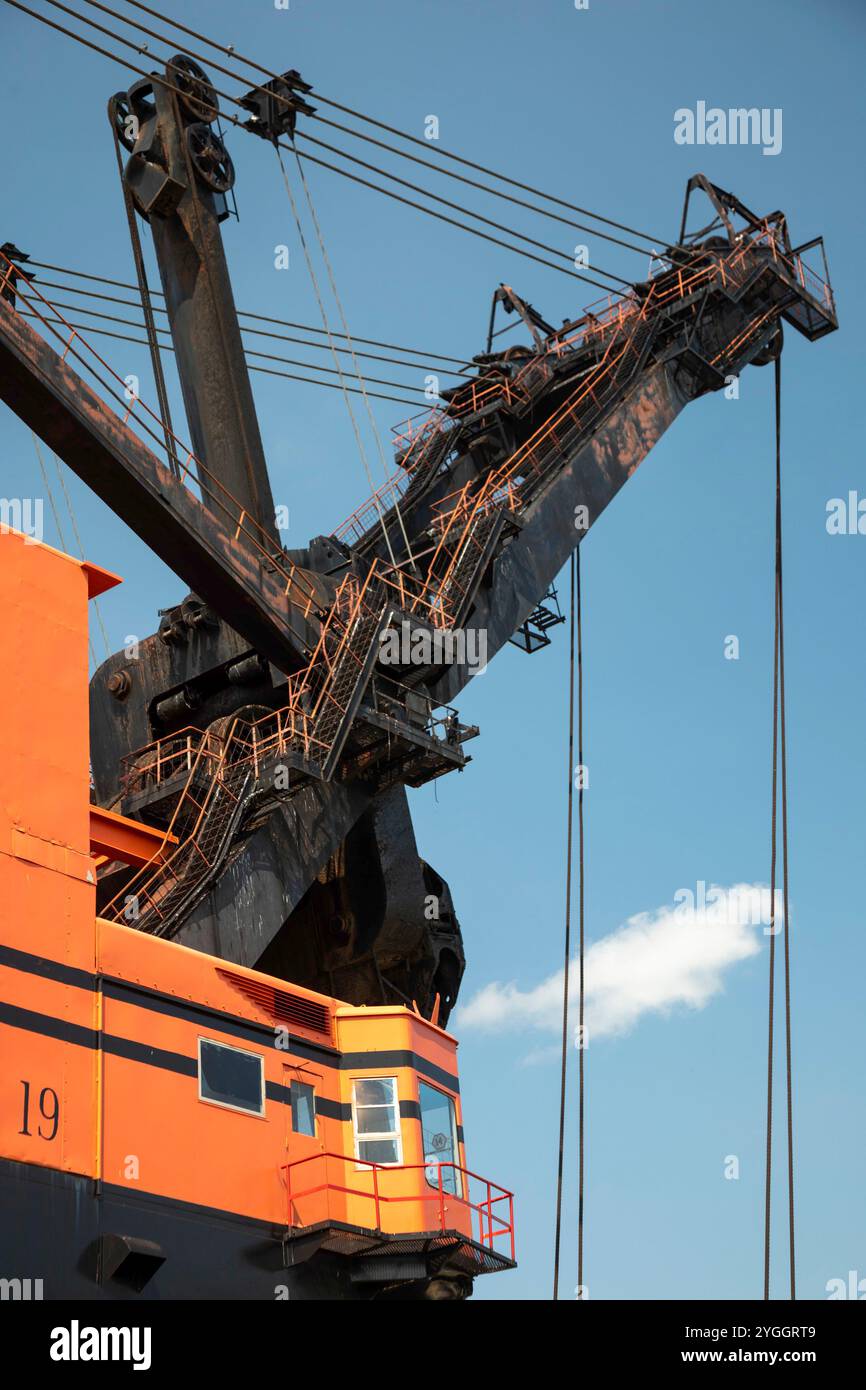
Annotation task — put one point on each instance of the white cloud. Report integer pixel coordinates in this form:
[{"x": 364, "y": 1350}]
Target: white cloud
[{"x": 673, "y": 956}]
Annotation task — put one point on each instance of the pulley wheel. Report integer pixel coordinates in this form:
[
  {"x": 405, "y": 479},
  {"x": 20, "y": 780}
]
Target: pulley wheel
[
  {"x": 210, "y": 158},
  {"x": 195, "y": 90},
  {"x": 120, "y": 113}
]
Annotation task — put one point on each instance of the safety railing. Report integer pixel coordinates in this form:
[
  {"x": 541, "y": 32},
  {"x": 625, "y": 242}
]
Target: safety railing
[
  {"x": 256, "y": 744},
  {"x": 737, "y": 344},
  {"x": 390, "y": 697},
  {"x": 603, "y": 320},
  {"x": 403, "y": 589},
  {"x": 143, "y": 892},
  {"x": 250, "y": 742},
  {"x": 462, "y": 558},
  {"x": 319, "y": 696},
  {"x": 456, "y": 518},
  {"x": 460, "y": 533},
  {"x": 474, "y": 396},
  {"x": 813, "y": 283},
  {"x": 287, "y": 730},
  {"x": 488, "y": 1221},
  {"x": 312, "y": 723},
  {"x": 408, "y": 434},
  {"x": 374, "y": 508},
  {"x": 162, "y": 760},
  {"x": 415, "y": 449}
]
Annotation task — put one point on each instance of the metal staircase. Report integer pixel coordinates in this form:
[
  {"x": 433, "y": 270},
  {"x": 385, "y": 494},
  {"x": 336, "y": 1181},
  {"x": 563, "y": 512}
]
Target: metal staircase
[
  {"x": 207, "y": 810},
  {"x": 234, "y": 762},
  {"x": 471, "y": 529},
  {"x": 347, "y": 659},
  {"x": 324, "y": 700},
  {"x": 600, "y": 359}
]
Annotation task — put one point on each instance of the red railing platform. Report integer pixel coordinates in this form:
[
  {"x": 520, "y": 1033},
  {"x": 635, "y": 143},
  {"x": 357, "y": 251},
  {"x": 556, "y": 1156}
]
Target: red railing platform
[{"x": 374, "y": 1199}]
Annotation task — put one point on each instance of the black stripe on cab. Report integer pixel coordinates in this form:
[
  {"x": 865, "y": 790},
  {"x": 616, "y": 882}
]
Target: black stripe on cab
[{"x": 48, "y": 1026}]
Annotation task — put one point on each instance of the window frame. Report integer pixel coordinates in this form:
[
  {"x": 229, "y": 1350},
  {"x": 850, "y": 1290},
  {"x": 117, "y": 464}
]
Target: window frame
[
  {"x": 299, "y": 1133},
  {"x": 225, "y": 1104},
  {"x": 457, "y": 1160},
  {"x": 362, "y": 1164}
]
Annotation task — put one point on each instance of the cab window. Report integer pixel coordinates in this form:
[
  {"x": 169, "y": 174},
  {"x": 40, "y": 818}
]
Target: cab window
[
  {"x": 376, "y": 1119},
  {"x": 303, "y": 1099},
  {"x": 231, "y": 1077}
]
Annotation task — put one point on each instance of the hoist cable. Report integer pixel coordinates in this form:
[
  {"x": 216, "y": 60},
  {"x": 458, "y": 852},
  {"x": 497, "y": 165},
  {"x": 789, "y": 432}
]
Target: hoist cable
[
  {"x": 359, "y": 376},
  {"x": 56, "y": 515},
  {"x": 228, "y": 72},
  {"x": 428, "y": 357},
  {"x": 315, "y": 283},
  {"x": 314, "y": 159},
  {"x": 581, "y": 981},
  {"x": 381, "y": 125},
  {"x": 54, "y": 512},
  {"x": 772, "y": 967},
  {"x": 783, "y": 751},
  {"x": 458, "y": 207},
  {"x": 569, "y": 821},
  {"x": 482, "y": 169},
  {"x": 779, "y": 764},
  {"x": 252, "y": 366},
  {"x": 485, "y": 188},
  {"x": 248, "y": 351},
  {"x": 453, "y": 222},
  {"x": 79, "y": 543}
]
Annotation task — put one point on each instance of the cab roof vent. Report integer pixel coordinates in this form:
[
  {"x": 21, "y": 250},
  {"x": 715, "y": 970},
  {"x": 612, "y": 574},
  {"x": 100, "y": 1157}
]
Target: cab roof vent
[{"x": 293, "y": 1010}]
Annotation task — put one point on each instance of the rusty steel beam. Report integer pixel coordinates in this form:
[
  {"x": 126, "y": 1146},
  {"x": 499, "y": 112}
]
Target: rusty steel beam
[
  {"x": 222, "y": 569},
  {"x": 204, "y": 326},
  {"x": 113, "y": 836},
  {"x": 590, "y": 478}
]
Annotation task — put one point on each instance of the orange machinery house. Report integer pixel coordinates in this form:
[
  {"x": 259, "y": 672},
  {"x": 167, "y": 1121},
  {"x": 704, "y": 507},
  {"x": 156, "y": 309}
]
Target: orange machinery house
[{"x": 172, "y": 1125}]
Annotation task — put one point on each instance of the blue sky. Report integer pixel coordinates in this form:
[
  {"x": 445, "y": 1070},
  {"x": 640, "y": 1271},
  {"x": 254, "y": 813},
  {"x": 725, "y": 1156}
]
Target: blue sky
[{"x": 581, "y": 104}]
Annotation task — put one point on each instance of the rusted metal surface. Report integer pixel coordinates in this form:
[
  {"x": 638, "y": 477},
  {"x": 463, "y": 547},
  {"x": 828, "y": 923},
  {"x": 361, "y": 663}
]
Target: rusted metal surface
[
  {"x": 528, "y": 565},
  {"x": 223, "y": 427},
  {"x": 331, "y": 889},
  {"x": 354, "y": 924},
  {"x": 325, "y": 885},
  {"x": 61, "y": 408}
]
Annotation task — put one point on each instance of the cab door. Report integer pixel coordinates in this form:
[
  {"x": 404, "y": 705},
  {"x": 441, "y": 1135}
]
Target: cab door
[{"x": 304, "y": 1145}]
